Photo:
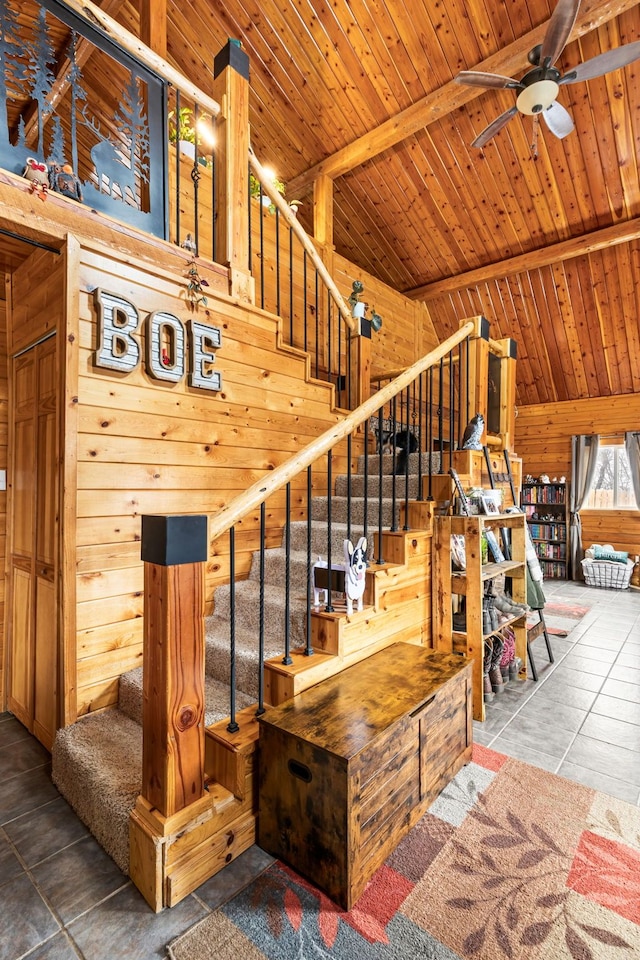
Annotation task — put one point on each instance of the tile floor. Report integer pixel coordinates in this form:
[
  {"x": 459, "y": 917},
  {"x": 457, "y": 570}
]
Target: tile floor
[{"x": 62, "y": 898}]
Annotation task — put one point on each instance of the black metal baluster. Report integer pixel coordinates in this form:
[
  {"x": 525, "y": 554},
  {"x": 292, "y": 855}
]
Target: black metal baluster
[
  {"x": 329, "y": 368},
  {"x": 406, "y": 467},
  {"x": 430, "y": 436},
  {"x": 317, "y": 324},
  {"x": 421, "y": 425},
  {"x": 341, "y": 384},
  {"x": 261, "y": 214},
  {"x": 278, "y": 262},
  {"x": 291, "y": 286},
  {"x": 287, "y": 579},
  {"x": 309, "y": 648},
  {"x": 177, "y": 152},
  {"x": 305, "y": 304},
  {"x": 195, "y": 177},
  {"x": 329, "y": 606},
  {"x": 349, "y": 439},
  {"x": 380, "y": 559},
  {"x": 440, "y": 411},
  {"x": 452, "y": 415},
  {"x": 394, "y": 430},
  {"x": 365, "y": 515},
  {"x": 260, "y": 709},
  {"x": 232, "y": 726}
]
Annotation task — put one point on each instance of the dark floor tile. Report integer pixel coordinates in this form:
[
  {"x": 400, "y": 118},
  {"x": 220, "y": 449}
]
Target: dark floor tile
[
  {"x": 10, "y": 866},
  {"x": 57, "y": 948},
  {"x": 520, "y": 751},
  {"x": 12, "y": 730},
  {"x": 625, "y": 673},
  {"x": 577, "y": 678},
  {"x": 557, "y": 691},
  {"x": 612, "y": 731},
  {"x": 574, "y": 661},
  {"x": 561, "y": 715},
  {"x": 25, "y": 920},
  {"x": 235, "y": 877},
  {"x": 125, "y": 928},
  {"x": 605, "y": 758},
  {"x": 621, "y": 690},
  {"x": 20, "y": 756},
  {"x": 542, "y": 736},
  {"x": 618, "y": 709},
  {"x": 78, "y": 878},
  {"x": 43, "y": 832},
  {"x": 599, "y": 781},
  {"x": 26, "y": 792}
]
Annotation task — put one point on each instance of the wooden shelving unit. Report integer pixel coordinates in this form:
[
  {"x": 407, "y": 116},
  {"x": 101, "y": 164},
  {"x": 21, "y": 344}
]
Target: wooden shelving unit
[
  {"x": 546, "y": 506},
  {"x": 470, "y": 584}
]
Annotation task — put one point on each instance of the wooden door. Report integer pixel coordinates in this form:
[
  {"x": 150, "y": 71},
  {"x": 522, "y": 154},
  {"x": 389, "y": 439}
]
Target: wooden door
[{"x": 32, "y": 613}]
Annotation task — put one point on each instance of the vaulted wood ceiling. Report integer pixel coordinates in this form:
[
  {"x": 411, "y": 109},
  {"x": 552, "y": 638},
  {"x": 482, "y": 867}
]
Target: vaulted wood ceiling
[{"x": 548, "y": 249}]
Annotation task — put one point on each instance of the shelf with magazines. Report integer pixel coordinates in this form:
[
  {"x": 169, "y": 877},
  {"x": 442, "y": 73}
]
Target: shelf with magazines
[
  {"x": 545, "y": 505},
  {"x": 459, "y": 572}
]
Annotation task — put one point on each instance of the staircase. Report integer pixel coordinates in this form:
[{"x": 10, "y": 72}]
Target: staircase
[{"x": 97, "y": 762}]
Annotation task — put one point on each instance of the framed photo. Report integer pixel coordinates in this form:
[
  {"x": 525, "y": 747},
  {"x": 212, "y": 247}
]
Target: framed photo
[
  {"x": 494, "y": 548},
  {"x": 490, "y": 506}
]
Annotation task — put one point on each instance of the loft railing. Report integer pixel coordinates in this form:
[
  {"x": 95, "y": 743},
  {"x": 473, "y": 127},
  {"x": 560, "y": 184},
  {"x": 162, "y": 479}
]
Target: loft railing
[{"x": 166, "y": 158}]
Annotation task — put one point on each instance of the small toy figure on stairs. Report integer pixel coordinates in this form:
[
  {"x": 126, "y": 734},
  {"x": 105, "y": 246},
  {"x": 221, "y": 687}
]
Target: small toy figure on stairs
[{"x": 355, "y": 565}]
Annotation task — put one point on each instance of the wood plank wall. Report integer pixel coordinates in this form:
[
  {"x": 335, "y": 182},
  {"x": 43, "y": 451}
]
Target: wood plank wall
[
  {"x": 4, "y": 395},
  {"x": 543, "y": 440},
  {"x": 148, "y": 447}
]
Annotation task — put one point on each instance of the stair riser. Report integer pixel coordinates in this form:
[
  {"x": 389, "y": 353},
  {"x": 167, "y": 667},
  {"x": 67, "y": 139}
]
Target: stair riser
[
  {"x": 373, "y": 486},
  {"x": 387, "y": 463}
]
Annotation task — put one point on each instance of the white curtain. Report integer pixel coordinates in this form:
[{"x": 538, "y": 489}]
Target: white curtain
[
  {"x": 632, "y": 446},
  {"x": 584, "y": 456}
]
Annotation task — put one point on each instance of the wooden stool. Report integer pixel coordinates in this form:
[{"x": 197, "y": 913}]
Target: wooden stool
[{"x": 532, "y": 634}]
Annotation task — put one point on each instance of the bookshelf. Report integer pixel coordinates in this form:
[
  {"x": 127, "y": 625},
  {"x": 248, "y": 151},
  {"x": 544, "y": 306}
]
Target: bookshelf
[{"x": 546, "y": 508}]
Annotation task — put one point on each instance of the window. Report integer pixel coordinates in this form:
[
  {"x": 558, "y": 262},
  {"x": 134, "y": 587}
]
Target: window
[{"x": 612, "y": 488}]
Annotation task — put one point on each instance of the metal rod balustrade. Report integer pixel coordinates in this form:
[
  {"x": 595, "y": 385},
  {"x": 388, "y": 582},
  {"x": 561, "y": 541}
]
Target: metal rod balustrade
[
  {"x": 394, "y": 430},
  {"x": 380, "y": 559},
  {"x": 309, "y": 647},
  {"x": 329, "y": 606},
  {"x": 287, "y": 580},
  {"x": 232, "y": 726},
  {"x": 260, "y": 709}
]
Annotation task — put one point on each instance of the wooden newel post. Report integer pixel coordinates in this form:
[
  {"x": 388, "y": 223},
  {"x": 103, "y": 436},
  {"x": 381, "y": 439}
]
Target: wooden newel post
[
  {"x": 360, "y": 363},
  {"x": 231, "y": 89},
  {"x": 174, "y": 550}
]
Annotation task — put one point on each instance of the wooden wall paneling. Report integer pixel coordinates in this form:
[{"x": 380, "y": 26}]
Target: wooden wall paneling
[
  {"x": 543, "y": 441},
  {"x": 4, "y": 413}
]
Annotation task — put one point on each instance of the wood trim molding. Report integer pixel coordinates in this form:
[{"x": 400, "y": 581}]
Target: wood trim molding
[{"x": 565, "y": 250}]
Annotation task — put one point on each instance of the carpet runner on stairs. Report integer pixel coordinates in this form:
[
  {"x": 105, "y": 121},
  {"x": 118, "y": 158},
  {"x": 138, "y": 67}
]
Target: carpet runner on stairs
[{"x": 97, "y": 762}]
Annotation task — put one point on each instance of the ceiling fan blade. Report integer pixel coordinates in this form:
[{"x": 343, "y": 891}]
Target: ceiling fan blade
[
  {"x": 604, "y": 63},
  {"x": 558, "y": 31},
  {"x": 494, "y": 127},
  {"x": 558, "y": 120},
  {"x": 475, "y": 78}
]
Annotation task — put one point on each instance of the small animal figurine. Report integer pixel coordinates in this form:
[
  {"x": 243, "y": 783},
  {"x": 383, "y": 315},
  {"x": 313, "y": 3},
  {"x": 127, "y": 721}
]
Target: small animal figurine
[
  {"x": 37, "y": 174},
  {"x": 355, "y": 564},
  {"x": 63, "y": 180},
  {"x": 472, "y": 436}
]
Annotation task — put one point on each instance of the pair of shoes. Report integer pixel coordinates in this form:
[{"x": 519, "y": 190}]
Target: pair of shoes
[
  {"x": 514, "y": 668},
  {"x": 508, "y": 606},
  {"x": 495, "y": 675},
  {"x": 460, "y": 622},
  {"x": 489, "y": 613},
  {"x": 486, "y": 666}
]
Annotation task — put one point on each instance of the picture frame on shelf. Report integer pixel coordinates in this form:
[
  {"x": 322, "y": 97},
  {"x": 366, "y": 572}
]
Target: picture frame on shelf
[
  {"x": 490, "y": 506},
  {"x": 494, "y": 546}
]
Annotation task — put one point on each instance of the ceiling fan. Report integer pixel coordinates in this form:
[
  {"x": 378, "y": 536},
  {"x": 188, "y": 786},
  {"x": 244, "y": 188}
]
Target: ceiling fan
[{"x": 539, "y": 87}]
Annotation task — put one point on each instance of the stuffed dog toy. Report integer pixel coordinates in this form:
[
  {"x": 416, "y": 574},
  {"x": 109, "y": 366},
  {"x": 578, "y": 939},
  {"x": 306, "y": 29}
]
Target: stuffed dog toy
[{"x": 355, "y": 564}]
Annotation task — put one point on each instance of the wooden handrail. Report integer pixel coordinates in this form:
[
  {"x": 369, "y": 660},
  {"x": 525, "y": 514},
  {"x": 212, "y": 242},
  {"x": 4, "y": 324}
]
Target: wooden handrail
[
  {"x": 292, "y": 221},
  {"x": 251, "y": 498}
]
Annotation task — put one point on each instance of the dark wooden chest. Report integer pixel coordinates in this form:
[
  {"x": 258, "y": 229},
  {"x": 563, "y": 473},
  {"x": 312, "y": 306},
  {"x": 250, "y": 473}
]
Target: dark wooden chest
[{"x": 349, "y": 766}]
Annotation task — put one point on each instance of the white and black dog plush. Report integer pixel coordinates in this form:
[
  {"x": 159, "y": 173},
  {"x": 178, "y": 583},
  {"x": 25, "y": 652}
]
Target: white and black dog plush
[{"x": 355, "y": 564}]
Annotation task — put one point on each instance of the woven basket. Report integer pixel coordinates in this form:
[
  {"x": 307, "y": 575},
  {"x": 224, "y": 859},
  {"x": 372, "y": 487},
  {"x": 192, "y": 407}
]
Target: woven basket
[{"x": 607, "y": 573}]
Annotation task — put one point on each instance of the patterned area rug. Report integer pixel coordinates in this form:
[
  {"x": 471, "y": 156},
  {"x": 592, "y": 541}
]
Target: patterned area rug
[
  {"x": 510, "y": 863},
  {"x": 560, "y": 618}
]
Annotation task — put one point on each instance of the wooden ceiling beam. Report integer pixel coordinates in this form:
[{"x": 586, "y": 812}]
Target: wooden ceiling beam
[
  {"x": 565, "y": 250},
  {"x": 439, "y": 103}
]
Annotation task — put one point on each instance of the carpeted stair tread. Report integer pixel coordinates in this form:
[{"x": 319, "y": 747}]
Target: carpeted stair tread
[
  {"x": 217, "y": 657},
  {"x": 373, "y": 465},
  {"x": 275, "y": 562},
  {"x": 247, "y": 609},
  {"x": 341, "y": 509},
  {"x": 216, "y": 698},
  {"x": 373, "y": 485},
  {"x": 97, "y": 767}
]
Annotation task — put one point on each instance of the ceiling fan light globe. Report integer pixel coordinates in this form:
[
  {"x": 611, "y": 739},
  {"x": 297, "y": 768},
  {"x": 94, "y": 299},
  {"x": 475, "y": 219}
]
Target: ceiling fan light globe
[{"x": 537, "y": 96}]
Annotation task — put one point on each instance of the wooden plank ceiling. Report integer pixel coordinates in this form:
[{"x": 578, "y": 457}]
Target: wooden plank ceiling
[{"x": 547, "y": 249}]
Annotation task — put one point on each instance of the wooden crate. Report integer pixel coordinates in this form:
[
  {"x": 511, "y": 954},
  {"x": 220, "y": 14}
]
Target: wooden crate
[{"x": 349, "y": 766}]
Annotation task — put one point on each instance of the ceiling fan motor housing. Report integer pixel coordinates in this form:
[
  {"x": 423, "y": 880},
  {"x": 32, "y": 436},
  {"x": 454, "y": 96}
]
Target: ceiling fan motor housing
[{"x": 540, "y": 90}]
